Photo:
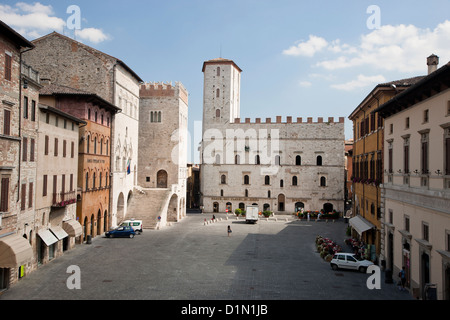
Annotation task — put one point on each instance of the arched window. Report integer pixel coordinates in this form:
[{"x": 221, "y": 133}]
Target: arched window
[
  {"x": 101, "y": 146},
  {"x": 95, "y": 145},
  {"x": 246, "y": 179},
  {"x": 257, "y": 160},
  {"x": 217, "y": 93},
  {"x": 323, "y": 181},
  {"x": 281, "y": 183},
  {"x": 159, "y": 116},
  {"x": 294, "y": 180},
  {"x": 100, "y": 180},
  {"x": 218, "y": 71},
  {"x": 87, "y": 181},
  {"x": 298, "y": 161},
  {"x": 319, "y": 160},
  {"x": 223, "y": 179},
  {"x": 151, "y": 117},
  {"x": 218, "y": 113},
  {"x": 93, "y": 181},
  {"x": 88, "y": 143},
  {"x": 266, "y": 180},
  {"x": 246, "y": 193}
]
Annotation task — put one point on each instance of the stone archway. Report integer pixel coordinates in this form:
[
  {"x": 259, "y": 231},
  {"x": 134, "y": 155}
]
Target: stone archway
[
  {"x": 172, "y": 210},
  {"x": 161, "y": 179},
  {"x": 281, "y": 202}
]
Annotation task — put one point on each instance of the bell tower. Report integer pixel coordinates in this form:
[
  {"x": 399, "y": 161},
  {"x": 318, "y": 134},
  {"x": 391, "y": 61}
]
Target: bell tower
[{"x": 221, "y": 92}]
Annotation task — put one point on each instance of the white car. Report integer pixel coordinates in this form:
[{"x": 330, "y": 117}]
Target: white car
[
  {"x": 349, "y": 261},
  {"x": 135, "y": 224}
]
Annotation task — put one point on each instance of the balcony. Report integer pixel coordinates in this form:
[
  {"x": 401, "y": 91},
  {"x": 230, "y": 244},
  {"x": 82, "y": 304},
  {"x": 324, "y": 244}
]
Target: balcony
[{"x": 61, "y": 200}]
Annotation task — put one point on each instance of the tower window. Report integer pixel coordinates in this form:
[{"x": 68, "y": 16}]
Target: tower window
[
  {"x": 218, "y": 71},
  {"x": 218, "y": 113},
  {"x": 217, "y": 93}
]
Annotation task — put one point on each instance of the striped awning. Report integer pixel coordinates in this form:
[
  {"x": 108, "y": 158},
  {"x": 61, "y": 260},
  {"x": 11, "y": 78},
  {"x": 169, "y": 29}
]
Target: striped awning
[
  {"x": 15, "y": 251},
  {"x": 360, "y": 224}
]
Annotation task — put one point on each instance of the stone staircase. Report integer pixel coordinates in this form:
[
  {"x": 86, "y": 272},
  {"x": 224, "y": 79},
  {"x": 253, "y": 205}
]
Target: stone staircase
[{"x": 146, "y": 205}]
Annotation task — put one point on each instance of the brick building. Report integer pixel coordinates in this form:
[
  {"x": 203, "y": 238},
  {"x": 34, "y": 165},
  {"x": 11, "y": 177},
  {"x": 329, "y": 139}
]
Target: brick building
[
  {"x": 70, "y": 63},
  {"x": 15, "y": 251}
]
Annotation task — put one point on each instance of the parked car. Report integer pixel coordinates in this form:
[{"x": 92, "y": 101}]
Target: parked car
[
  {"x": 124, "y": 232},
  {"x": 136, "y": 224},
  {"x": 349, "y": 261}
]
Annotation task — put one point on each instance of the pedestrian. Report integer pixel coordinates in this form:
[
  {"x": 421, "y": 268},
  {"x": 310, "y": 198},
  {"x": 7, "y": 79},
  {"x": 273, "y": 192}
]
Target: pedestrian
[
  {"x": 229, "y": 230},
  {"x": 402, "y": 275}
]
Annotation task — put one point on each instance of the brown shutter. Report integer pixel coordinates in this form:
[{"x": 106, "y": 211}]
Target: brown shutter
[
  {"x": 64, "y": 148},
  {"x": 72, "y": 150},
  {"x": 4, "y": 195},
  {"x": 390, "y": 160},
  {"x": 32, "y": 142},
  {"x": 30, "y": 195},
  {"x": 8, "y": 67},
  {"x": 46, "y": 145},
  {"x": 44, "y": 187},
  {"x": 23, "y": 197},
  {"x": 56, "y": 147},
  {"x": 24, "y": 149},
  {"x": 406, "y": 159},
  {"x": 7, "y": 122}
]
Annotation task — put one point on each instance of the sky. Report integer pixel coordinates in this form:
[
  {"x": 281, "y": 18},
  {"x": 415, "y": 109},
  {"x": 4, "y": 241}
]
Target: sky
[{"x": 299, "y": 58}]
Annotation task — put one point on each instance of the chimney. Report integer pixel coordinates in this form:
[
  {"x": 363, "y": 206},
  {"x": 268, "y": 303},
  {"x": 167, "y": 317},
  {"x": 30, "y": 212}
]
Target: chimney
[{"x": 432, "y": 62}]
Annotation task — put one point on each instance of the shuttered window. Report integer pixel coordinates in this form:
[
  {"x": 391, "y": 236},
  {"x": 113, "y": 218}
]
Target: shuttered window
[
  {"x": 24, "y": 149},
  {"x": 46, "y": 145},
  {"x": 44, "y": 186},
  {"x": 23, "y": 197},
  {"x": 8, "y": 67},
  {"x": 6, "y": 122},
  {"x": 30, "y": 195},
  {"x": 32, "y": 142},
  {"x": 4, "y": 195}
]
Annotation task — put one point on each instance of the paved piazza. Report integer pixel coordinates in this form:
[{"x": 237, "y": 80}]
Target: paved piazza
[{"x": 272, "y": 260}]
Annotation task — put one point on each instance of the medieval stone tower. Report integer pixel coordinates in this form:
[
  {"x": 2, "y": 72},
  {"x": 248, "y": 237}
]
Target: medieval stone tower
[
  {"x": 163, "y": 121},
  {"x": 221, "y": 92}
]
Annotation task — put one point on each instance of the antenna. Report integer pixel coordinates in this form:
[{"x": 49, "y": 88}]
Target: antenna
[{"x": 220, "y": 55}]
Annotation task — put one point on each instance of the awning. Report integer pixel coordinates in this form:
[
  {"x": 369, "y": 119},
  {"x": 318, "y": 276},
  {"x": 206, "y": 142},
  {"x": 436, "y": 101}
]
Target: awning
[
  {"x": 360, "y": 224},
  {"x": 59, "y": 232},
  {"x": 73, "y": 228},
  {"x": 15, "y": 251},
  {"x": 47, "y": 237}
]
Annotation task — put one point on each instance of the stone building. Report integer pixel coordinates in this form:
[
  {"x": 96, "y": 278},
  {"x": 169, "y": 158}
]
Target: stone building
[
  {"x": 54, "y": 226},
  {"x": 15, "y": 251},
  {"x": 94, "y": 152},
  {"x": 416, "y": 189},
  {"x": 368, "y": 166},
  {"x": 70, "y": 63},
  {"x": 281, "y": 166},
  {"x": 163, "y": 122}
]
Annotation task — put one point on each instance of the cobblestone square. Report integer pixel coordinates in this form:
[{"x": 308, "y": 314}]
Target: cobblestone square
[{"x": 271, "y": 260}]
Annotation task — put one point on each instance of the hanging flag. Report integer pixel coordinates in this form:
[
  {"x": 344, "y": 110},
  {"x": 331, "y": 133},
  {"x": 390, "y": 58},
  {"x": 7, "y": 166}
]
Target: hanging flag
[{"x": 128, "y": 167}]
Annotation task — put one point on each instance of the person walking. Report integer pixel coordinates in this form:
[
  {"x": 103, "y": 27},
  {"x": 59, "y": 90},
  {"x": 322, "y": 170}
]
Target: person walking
[
  {"x": 229, "y": 230},
  {"x": 402, "y": 275}
]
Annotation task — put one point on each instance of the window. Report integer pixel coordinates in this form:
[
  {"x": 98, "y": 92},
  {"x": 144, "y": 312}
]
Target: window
[
  {"x": 391, "y": 128},
  {"x": 319, "y": 160},
  {"x": 218, "y": 71},
  {"x": 223, "y": 179},
  {"x": 407, "y": 223},
  {"x": 390, "y": 157},
  {"x": 246, "y": 193},
  {"x": 23, "y": 197},
  {"x": 246, "y": 179},
  {"x": 33, "y": 110},
  {"x": 372, "y": 121},
  {"x": 257, "y": 159},
  {"x": 217, "y": 93},
  {"x": 6, "y": 122},
  {"x": 87, "y": 181},
  {"x": 218, "y": 113},
  {"x": 89, "y": 114},
  {"x": 56, "y": 147},
  {"x": 46, "y": 145},
  {"x": 24, "y": 149},
  {"x": 71, "y": 182},
  {"x": 277, "y": 160},
  {"x": 4, "y": 195},
  {"x": 72, "y": 149},
  {"x": 424, "y": 153},
  {"x": 406, "y": 155},
  {"x": 237, "y": 159},
  {"x": 25, "y": 107},
  {"x": 323, "y": 181},
  {"x": 267, "y": 180},
  {"x": 95, "y": 145},
  {"x": 425, "y": 115},
  {"x": 64, "y": 148},
  {"x": 44, "y": 186},
  {"x": 32, "y": 143},
  {"x": 425, "y": 231},
  {"x": 294, "y": 180},
  {"x": 298, "y": 161},
  {"x": 407, "y": 123},
  {"x": 8, "y": 66},
  {"x": 281, "y": 183},
  {"x": 30, "y": 195},
  {"x": 447, "y": 151}
]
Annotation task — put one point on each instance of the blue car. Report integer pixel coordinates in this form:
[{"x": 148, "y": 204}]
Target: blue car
[{"x": 123, "y": 232}]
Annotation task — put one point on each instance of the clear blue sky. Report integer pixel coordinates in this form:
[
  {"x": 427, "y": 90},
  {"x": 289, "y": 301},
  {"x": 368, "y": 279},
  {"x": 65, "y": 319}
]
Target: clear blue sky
[{"x": 299, "y": 58}]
